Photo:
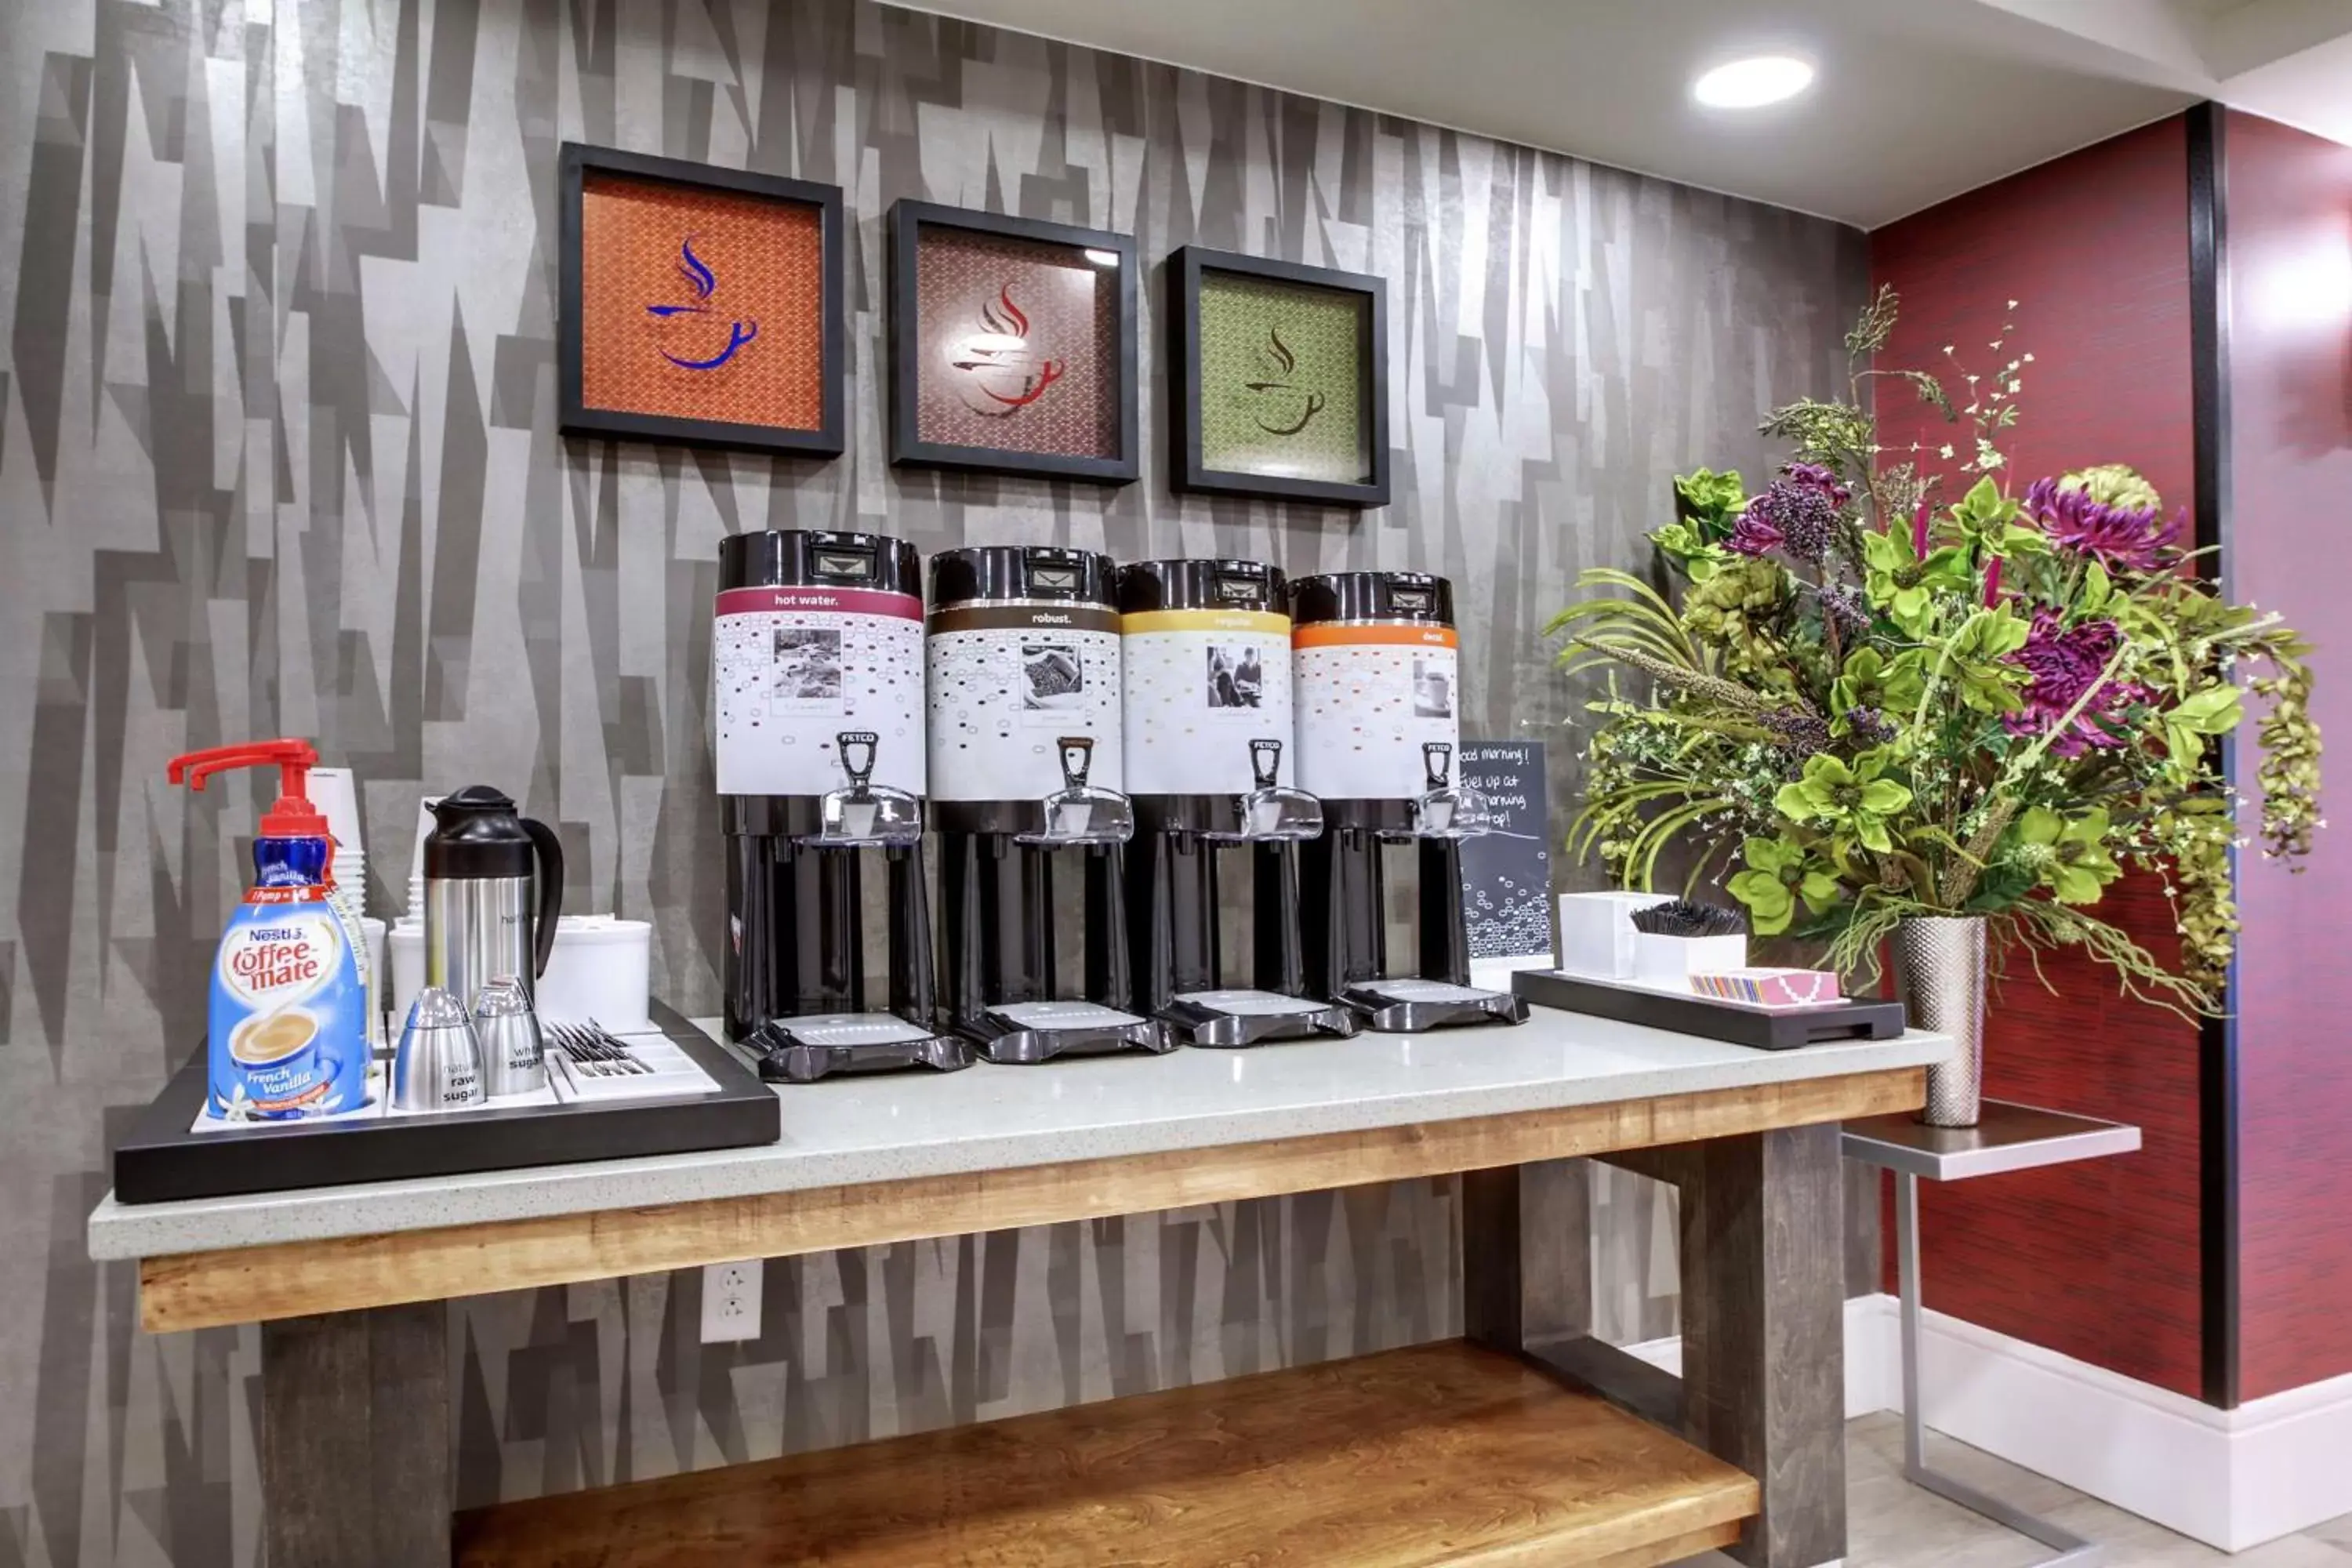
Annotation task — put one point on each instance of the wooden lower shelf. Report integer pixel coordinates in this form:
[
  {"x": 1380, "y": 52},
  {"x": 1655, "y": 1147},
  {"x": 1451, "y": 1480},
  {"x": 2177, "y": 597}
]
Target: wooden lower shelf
[{"x": 1440, "y": 1454}]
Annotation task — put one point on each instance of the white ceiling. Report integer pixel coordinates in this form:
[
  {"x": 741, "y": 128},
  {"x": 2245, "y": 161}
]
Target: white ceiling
[{"x": 1915, "y": 100}]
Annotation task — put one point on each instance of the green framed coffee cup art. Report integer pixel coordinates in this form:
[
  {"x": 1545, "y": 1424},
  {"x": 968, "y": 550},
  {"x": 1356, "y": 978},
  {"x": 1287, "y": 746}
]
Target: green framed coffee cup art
[{"x": 1279, "y": 379}]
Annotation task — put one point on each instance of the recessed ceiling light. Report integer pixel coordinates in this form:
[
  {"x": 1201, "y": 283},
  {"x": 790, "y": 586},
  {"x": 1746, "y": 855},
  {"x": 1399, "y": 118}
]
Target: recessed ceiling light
[{"x": 1754, "y": 82}]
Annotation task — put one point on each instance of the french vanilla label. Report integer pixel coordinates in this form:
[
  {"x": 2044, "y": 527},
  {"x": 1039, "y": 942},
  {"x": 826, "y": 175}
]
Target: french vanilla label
[
  {"x": 1201, "y": 685},
  {"x": 1006, "y": 684},
  {"x": 795, "y": 668},
  {"x": 1368, "y": 698}
]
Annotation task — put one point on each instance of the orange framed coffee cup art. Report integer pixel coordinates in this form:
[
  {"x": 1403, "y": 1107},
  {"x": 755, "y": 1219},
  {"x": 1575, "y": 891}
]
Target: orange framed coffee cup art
[{"x": 699, "y": 305}]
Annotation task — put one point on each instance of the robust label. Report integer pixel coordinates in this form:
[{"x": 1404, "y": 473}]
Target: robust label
[
  {"x": 1006, "y": 684},
  {"x": 1200, "y": 686},
  {"x": 1369, "y": 699},
  {"x": 794, "y": 667},
  {"x": 288, "y": 1011}
]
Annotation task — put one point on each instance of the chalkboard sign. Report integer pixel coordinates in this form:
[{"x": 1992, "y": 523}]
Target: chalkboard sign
[{"x": 1507, "y": 870}]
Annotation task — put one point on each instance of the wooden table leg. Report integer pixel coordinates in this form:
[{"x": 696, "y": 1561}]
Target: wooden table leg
[
  {"x": 355, "y": 1465},
  {"x": 1527, "y": 1259},
  {"x": 1764, "y": 1330}
]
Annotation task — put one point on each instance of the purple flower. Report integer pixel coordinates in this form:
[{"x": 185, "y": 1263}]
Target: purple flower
[
  {"x": 1919, "y": 531},
  {"x": 1845, "y": 608},
  {"x": 1754, "y": 533},
  {"x": 2136, "y": 537},
  {"x": 1868, "y": 726},
  {"x": 1992, "y": 582},
  {"x": 2066, "y": 662},
  {"x": 1798, "y": 512}
]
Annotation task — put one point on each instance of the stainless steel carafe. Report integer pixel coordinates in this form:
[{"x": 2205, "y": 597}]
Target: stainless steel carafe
[{"x": 484, "y": 917}]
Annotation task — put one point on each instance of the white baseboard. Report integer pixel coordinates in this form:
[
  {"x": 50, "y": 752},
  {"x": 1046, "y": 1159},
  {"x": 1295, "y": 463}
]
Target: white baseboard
[
  {"x": 2231, "y": 1479},
  {"x": 1873, "y": 1360}
]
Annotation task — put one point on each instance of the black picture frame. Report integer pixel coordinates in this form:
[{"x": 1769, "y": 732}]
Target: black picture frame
[
  {"x": 908, "y": 218},
  {"x": 574, "y": 417},
  {"x": 1187, "y": 469}
]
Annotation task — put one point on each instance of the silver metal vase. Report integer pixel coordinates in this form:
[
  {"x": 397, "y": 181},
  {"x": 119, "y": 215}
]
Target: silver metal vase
[{"x": 1940, "y": 974}]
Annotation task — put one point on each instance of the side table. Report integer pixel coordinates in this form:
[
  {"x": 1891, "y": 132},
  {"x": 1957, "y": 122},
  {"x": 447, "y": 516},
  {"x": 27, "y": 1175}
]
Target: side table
[{"x": 2007, "y": 1138}]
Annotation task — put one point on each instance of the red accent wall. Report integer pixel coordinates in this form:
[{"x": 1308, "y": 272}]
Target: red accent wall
[
  {"x": 2101, "y": 1260},
  {"x": 2290, "y": 263}
]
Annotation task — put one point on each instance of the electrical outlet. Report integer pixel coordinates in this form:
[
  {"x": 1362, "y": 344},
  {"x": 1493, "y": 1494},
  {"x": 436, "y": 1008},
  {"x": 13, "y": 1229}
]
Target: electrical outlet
[{"x": 731, "y": 1301}]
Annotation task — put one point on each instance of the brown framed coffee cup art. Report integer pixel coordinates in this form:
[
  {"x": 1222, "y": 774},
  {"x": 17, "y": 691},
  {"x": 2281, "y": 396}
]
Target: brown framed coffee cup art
[
  {"x": 1012, "y": 345},
  {"x": 699, "y": 305}
]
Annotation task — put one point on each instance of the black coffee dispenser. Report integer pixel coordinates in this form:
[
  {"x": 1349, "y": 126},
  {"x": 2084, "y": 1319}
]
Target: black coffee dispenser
[
  {"x": 817, "y": 669},
  {"x": 1377, "y": 670},
  {"x": 1206, "y": 648},
  {"x": 1024, "y": 656}
]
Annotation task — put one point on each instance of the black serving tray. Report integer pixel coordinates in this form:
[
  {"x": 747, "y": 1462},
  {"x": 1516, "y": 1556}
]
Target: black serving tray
[
  {"x": 1762, "y": 1028},
  {"x": 162, "y": 1160}
]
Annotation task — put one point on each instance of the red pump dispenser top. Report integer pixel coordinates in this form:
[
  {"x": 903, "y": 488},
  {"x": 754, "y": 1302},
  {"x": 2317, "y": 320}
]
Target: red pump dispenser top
[{"x": 293, "y": 815}]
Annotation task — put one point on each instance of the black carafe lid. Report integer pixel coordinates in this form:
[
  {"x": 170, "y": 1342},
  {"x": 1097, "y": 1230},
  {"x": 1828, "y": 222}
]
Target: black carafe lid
[{"x": 476, "y": 834}]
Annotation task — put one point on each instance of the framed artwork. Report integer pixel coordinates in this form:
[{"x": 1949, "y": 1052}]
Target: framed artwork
[
  {"x": 1011, "y": 345},
  {"x": 1279, "y": 379},
  {"x": 699, "y": 305}
]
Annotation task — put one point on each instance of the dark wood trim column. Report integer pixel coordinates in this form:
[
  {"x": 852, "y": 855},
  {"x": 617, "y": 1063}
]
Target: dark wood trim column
[
  {"x": 355, "y": 1438},
  {"x": 2217, "y": 1039}
]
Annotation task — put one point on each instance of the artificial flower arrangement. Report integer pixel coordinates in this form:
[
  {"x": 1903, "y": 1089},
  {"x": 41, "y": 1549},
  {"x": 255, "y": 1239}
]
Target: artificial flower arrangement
[{"x": 1873, "y": 700}]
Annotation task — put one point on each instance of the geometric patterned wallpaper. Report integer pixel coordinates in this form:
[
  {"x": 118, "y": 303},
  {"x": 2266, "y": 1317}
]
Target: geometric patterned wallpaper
[{"x": 278, "y": 456}]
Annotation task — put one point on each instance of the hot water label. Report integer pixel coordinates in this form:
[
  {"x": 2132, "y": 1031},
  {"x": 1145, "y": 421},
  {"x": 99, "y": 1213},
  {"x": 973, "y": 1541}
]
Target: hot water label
[
  {"x": 1370, "y": 697},
  {"x": 794, "y": 667},
  {"x": 286, "y": 1023},
  {"x": 1200, "y": 686}
]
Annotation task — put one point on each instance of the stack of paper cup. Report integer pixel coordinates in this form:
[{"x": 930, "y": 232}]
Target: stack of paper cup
[{"x": 332, "y": 792}]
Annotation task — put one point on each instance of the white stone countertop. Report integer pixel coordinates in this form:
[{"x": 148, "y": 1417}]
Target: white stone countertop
[{"x": 886, "y": 1127}]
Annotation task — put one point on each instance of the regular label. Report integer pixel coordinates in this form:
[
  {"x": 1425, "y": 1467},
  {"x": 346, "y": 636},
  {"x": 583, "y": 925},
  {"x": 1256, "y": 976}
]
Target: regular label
[{"x": 1202, "y": 685}]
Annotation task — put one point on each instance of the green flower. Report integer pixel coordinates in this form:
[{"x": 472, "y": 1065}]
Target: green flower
[
  {"x": 1870, "y": 679},
  {"x": 1978, "y": 659},
  {"x": 2070, "y": 859},
  {"x": 1687, "y": 545},
  {"x": 1710, "y": 499},
  {"x": 1737, "y": 600},
  {"x": 1850, "y": 799},
  {"x": 1779, "y": 875},
  {"x": 1989, "y": 518},
  {"x": 2115, "y": 484},
  {"x": 1902, "y": 585}
]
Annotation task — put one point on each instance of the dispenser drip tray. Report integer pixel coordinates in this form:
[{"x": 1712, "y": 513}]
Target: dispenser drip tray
[
  {"x": 1409, "y": 1007},
  {"x": 1027, "y": 1033},
  {"x": 818, "y": 1044},
  {"x": 1246, "y": 1017}
]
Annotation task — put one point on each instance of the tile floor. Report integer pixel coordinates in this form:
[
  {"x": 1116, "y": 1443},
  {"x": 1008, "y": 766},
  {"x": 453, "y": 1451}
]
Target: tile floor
[{"x": 1894, "y": 1524}]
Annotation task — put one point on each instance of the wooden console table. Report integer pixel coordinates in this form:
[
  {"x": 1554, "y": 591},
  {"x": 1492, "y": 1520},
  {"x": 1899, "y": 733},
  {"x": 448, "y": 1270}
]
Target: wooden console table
[{"x": 1523, "y": 1443}]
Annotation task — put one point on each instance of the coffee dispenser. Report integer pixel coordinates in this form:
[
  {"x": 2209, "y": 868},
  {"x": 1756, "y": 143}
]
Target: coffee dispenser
[
  {"x": 1376, "y": 663},
  {"x": 817, "y": 669},
  {"x": 1206, "y": 647},
  {"x": 1024, "y": 656}
]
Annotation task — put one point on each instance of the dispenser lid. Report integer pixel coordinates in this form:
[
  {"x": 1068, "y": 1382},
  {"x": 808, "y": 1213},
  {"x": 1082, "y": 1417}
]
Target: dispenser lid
[
  {"x": 1002, "y": 571},
  {"x": 477, "y": 834},
  {"x": 819, "y": 558},
  {"x": 1205, "y": 584},
  {"x": 1410, "y": 599}
]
